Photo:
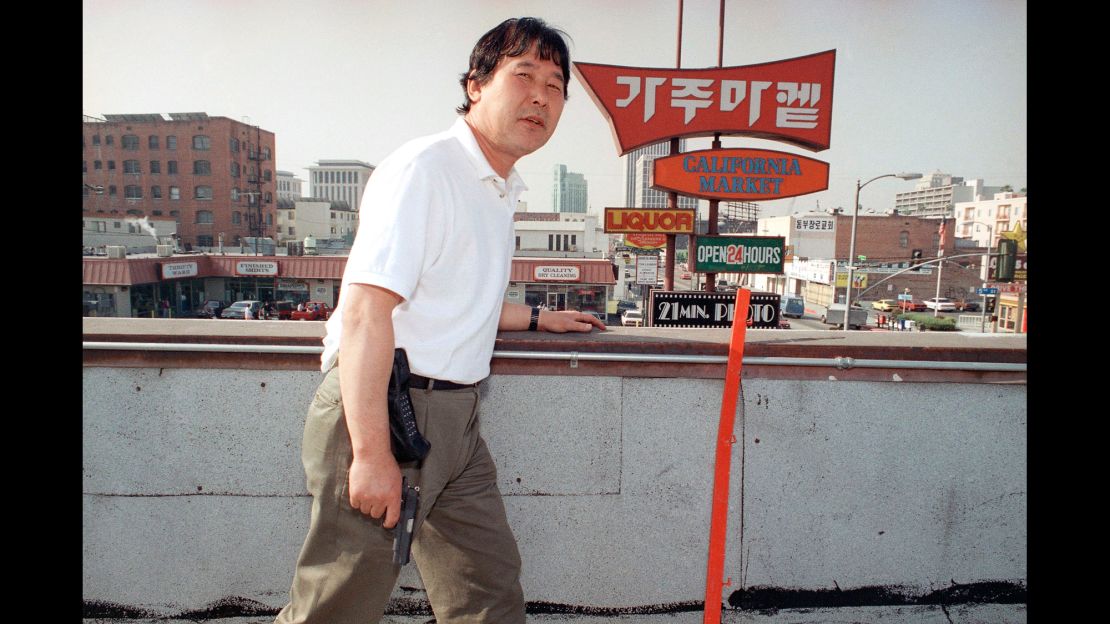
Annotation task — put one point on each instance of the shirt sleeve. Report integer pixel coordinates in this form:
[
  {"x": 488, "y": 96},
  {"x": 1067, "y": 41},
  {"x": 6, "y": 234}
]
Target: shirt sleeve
[{"x": 395, "y": 217}]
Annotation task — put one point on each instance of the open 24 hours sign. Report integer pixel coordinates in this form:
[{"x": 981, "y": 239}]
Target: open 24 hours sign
[{"x": 739, "y": 254}]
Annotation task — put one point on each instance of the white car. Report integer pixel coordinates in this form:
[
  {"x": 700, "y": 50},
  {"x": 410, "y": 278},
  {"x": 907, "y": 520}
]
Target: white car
[
  {"x": 941, "y": 304},
  {"x": 632, "y": 318}
]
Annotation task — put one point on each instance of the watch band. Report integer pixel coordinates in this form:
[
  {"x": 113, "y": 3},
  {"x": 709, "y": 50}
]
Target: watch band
[{"x": 534, "y": 324}]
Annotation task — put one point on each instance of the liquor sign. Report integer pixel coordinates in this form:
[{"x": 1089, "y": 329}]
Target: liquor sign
[
  {"x": 739, "y": 174},
  {"x": 702, "y": 309},
  {"x": 739, "y": 254},
  {"x": 556, "y": 273},
  {"x": 647, "y": 269},
  {"x": 788, "y": 100},
  {"x": 254, "y": 268},
  {"x": 646, "y": 241},
  {"x": 637, "y": 220},
  {"x": 174, "y": 270}
]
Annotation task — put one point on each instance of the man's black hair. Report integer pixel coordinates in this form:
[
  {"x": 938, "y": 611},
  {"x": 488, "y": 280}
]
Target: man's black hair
[{"x": 514, "y": 37}]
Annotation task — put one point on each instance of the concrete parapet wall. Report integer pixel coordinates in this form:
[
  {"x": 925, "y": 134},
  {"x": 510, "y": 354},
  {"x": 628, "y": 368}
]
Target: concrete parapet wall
[{"x": 194, "y": 492}]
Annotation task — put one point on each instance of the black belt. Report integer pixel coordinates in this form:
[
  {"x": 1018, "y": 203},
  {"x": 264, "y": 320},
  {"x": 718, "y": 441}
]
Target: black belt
[{"x": 427, "y": 383}]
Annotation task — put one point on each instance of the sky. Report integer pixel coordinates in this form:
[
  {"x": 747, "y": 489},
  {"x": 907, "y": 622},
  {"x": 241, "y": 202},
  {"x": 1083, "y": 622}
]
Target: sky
[{"x": 920, "y": 85}]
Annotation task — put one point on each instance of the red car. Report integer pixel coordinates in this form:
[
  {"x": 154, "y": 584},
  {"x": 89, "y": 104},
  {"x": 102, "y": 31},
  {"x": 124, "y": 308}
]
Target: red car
[
  {"x": 915, "y": 305},
  {"x": 313, "y": 311}
]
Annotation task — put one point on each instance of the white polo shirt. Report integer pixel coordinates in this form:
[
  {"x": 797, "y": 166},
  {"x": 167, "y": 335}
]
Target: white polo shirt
[{"x": 436, "y": 227}]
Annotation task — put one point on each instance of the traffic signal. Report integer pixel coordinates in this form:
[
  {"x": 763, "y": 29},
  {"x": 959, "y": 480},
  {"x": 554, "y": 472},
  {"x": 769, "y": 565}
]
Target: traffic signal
[
  {"x": 990, "y": 304},
  {"x": 915, "y": 257},
  {"x": 1007, "y": 260}
]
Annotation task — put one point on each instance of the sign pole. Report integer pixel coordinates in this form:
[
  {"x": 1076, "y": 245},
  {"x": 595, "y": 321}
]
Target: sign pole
[{"x": 723, "y": 464}]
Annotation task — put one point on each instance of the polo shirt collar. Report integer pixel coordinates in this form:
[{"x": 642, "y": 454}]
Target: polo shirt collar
[{"x": 461, "y": 131}]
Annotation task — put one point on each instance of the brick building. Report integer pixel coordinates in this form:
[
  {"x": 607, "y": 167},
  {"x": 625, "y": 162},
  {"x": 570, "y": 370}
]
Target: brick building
[
  {"x": 817, "y": 249},
  {"x": 212, "y": 175}
]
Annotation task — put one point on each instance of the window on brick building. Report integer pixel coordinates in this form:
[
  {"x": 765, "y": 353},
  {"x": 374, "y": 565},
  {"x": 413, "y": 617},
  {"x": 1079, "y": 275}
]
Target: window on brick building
[
  {"x": 152, "y": 141},
  {"x": 129, "y": 142},
  {"x": 234, "y": 144},
  {"x": 175, "y": 192},
  {"x": 96, "y": 139},
  {"x": 156, "y": 192},
  {"x": 156, "y": 166},
  {"x": 97, "y": 165},
  {"x": 235, "y": 170},
  {"x": 236, "y": 217},
  {"x": 131, "y": 166},
  {"x": 111, "y": 165},
  {"x": 266, "y": 175},
  {"x": 112, "y": 190},
  {"x": 202, "y": 192},
  {"x": 171, "y": 167},
  {"x": 204, "y": 216},
  {"x": 202, "y": 167},
  {"x": 108, "y": 140},
  {"x": 133, "y": 191},
  {"x": 903, "y": 239},
  {"x": 204, "y": 240},
  {"x": 202, "y": 142},
  {"x": 235, "y": 194}
]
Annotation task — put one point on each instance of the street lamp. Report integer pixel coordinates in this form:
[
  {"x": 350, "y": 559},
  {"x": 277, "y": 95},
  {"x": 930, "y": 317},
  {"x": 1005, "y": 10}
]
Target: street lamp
[{"x": 852, "y": 243}]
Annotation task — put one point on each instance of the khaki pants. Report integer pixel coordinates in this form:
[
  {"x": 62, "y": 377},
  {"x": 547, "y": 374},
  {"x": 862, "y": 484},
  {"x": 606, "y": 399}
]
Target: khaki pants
[{"x": 462, "y": 545}]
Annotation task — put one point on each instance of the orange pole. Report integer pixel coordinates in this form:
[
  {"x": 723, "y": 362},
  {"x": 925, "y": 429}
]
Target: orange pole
[{"x": 723, "y": 464}]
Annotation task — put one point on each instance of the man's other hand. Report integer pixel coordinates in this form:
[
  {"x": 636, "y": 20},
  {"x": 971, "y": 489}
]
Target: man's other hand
[{"x": 558, "y": 322}]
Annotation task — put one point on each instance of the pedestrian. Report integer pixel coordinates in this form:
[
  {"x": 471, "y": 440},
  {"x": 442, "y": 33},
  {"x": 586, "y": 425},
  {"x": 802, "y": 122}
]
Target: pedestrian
[
  {"x": 453, "y": 188},
  {"x": 165, "y": 305},
  {"x": 248, "y": 314},
  {"x": 901, "y": 323}
]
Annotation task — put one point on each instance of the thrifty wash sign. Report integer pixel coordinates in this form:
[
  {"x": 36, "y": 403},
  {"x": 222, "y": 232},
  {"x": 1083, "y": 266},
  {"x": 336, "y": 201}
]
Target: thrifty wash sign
[{"x": 739, "y": 254}]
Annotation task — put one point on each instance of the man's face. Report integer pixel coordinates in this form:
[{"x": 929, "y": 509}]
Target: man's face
[{"x": 516, "y": 111}]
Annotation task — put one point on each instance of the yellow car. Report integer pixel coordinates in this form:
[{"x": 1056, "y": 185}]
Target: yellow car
[{"x": 885, "y": 305}]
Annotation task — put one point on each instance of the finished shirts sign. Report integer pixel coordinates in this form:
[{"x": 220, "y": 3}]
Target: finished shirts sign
[{"x": 788, "y": 100}]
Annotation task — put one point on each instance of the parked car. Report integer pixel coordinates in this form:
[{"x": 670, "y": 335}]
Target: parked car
[
  {"x": 885, "y": 305},
  {"x": 238, "y": 310},
  {"x": 911, "y": 305},
  {"x": 313, "y": 311},
  {"x": 624, "y": 305},
  {"x": 969, "y": 306},
  {"x": 281, "y": 311},
  {"x": 941, "y": 304},
  {"x": 632, "y": 318},
  {"x": 210, "y": 309}
]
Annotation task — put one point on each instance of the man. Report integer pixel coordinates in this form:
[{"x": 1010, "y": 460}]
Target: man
[{"x": 427, "y": 273}]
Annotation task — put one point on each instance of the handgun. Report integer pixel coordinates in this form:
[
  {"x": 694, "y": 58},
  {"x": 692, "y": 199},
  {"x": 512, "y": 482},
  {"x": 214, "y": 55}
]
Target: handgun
[{"x": 402, "y": 533}]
